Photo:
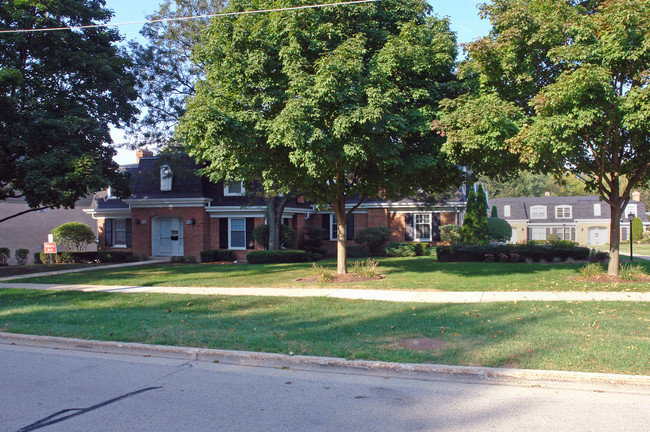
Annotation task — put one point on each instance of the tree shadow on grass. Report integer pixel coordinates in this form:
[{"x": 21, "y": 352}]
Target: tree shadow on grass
[{"x": 528, "y": 335}]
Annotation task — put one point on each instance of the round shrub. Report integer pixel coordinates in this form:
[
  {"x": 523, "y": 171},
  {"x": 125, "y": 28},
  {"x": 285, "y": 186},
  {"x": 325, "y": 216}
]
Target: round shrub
[
  {"x": 499, "y": 230},
  {"x": 373, "y": 238},
  {"x": 21, "y": 255},
  {"x": 74, "y": 236},
  {"x": 450, "y": 233}
]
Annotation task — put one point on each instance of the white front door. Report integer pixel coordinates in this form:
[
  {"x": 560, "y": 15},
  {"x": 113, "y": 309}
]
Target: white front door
[
  {"x": 167, "y": 236},
  {"x": 597, "y": 236}
]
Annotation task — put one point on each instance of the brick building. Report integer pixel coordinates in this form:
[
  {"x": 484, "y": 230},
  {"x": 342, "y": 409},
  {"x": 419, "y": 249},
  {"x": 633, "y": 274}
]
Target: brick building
[{"x": 174, "y": 212}]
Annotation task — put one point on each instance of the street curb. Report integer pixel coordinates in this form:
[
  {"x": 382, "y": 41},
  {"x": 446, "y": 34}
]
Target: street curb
[{"x": 283, "y": 361}]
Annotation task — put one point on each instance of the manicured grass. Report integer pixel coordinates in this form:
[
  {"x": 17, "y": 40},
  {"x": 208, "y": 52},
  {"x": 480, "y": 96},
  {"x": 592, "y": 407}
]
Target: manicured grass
[
  {"x": 418, "y": 273},
  {"x": 596, "y": 337}
]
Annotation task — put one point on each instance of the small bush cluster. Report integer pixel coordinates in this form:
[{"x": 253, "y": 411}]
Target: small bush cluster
[
  {"x": 366, "y": 268},
  {"x": 510, "y": 253},
  {"x": 322, "y": 274},
  {"x": 631, "y": 272},
  {"x": 313, "y": 241},
  {"x": 278, "y": 256},
  {"x": 408, "y": 249},
  {"x": 215, "y": 255},
  {"x": 597, "y": 256},
  {"x": 591, "y": 270}
]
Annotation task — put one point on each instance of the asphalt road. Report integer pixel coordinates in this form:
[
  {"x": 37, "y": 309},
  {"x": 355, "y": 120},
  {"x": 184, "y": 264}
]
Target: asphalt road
[{"x": 59, "y": 390}]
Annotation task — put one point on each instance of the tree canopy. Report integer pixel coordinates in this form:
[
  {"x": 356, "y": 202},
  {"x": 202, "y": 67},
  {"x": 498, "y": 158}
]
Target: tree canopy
[
  {"x": 559, "y": 85},
  {"x": 165, "y": 72},
  {"x": 59, "y": 93},
  {"x": 333, "y": 102}
]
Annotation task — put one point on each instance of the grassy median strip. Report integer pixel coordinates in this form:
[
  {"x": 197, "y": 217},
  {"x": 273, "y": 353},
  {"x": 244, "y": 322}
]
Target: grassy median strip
[
  {"x": 416, "y": 273},
  {"x": 595, "y": 337}
]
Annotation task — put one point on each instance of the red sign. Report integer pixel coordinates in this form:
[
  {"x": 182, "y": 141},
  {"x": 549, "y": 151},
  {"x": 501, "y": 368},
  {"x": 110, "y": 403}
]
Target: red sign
[{"x": 49, "y": 248}]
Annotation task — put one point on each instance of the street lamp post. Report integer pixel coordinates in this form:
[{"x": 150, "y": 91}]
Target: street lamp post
[{"x": 631, "y": 218}]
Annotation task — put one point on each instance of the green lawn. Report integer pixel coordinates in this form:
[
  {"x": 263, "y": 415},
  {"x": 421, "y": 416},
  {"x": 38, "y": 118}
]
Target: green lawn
[
  {"x": 596, "y": 337},
  {"x": 420, "y": 273}
]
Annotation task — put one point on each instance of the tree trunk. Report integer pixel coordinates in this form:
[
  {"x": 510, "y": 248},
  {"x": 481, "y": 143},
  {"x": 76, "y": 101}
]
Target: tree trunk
[
  {"x": 341, "y": 252},
  {"x": 614, "y": 239},
  {"x": 274, "y": 210}
]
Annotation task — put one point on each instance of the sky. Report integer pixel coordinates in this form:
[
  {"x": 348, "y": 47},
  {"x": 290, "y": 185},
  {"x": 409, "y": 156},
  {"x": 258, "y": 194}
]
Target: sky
[{"x": 463, "y": 15}]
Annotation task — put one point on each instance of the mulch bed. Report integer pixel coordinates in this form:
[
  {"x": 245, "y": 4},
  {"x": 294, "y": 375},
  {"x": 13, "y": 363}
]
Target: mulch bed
[{"x": 341, "y": 278}]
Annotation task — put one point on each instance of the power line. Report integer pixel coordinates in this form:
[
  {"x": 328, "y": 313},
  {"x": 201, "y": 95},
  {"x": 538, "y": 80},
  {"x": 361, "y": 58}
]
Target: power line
[{"x": 190, "y": 17}]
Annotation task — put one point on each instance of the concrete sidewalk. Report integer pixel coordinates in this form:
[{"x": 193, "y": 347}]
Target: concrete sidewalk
[{"x": 357, "y": 294}]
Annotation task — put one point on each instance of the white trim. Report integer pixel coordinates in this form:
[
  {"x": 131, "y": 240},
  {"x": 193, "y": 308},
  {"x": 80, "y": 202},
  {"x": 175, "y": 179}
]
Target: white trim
[
  {"x": 415, "y": 231},
  {"x": 167, "y": 202},
  {"x": 450, "y": 206},
  {"x": 108, "y": 213}
]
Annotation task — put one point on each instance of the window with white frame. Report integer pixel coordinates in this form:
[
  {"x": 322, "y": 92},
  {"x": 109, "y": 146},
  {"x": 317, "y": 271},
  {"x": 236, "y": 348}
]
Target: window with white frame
[
  {"x": 234, "y": 188},
  {"x": 597, "y": 210},
  {"x": 422, "y": 227},
  {"x": 538, "y": 233},
  {"x": 506, "y": 211},
  {"x": 630, "y": 208},
  {"x": 237, "y": 233},
  {"x": 563, "y": 212},
  {"x": 538, "y": 212}
]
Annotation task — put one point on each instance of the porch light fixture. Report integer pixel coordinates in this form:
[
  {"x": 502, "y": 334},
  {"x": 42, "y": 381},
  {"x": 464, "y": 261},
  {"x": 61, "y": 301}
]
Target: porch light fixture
[
  {"x": 191, "y": 221},
  {"x": 140, "y": 222}
]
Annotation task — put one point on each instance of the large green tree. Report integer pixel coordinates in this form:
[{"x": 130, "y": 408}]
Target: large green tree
[
  {"x": 529, "y": 184},
  {"x": 59, "y": 93},
  {"x": 334, "y": 102},
  {"x": 557, "y": 85},
  {"x": 166, "y": 74}
]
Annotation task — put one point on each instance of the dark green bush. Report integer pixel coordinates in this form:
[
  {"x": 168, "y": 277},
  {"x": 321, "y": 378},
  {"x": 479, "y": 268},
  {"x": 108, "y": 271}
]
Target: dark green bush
[
  {"x": 510, "y": 253},
  {"x": 279, "y": 256},
  {"x": 357, "y": 252},
  {"x": 313, "y": 241},
  {"x": 288, "y": 236},
  {"x": 215, "y": 255},
  {"x": 177, "y": 260},
  {"x": 5, "y": 253},
  {"x": 74, "y": 236},
  {"x": 21, "y": 256},
  {"x": 407, "y": 249},
  {"x": 374, "y": 239},
  {"x": 499, "y": 230},
  {"x": 113, "y": 256},
  {"x": 37, "y": 258},
  {"x": 69, "y": 257}
]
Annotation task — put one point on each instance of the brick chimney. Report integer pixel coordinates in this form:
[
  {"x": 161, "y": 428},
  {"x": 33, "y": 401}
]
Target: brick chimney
[
  {"x": 636, "y": 196},
  {"x": 140, "y": 153}
]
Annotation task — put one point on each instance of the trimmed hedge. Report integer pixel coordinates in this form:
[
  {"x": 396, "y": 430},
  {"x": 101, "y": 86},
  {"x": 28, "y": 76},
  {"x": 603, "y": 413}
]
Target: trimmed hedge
[
  {"x": 70, "y": 258},
  {"x": 357, "y": 252},
  {"x": 407, "y": 249},
  {"x": 277, "y": 256},
  {"x": 113, "y": 256},
  {"x": 510, "y": 253},
  {"x": 215, "y": 255}
]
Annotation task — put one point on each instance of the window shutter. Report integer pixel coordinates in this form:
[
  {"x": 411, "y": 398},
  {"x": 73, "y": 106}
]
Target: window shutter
[
  {"x": 326, "y": 224},
  {"x": 127, "y": 223},
  {"x": 435, "y": 226},
  {"x": 223, "y": 233},
  {"x": 349, "y": 227},
  {"x": 408, "y": 234},
  {"x": 108, "y": 232},
  {"x": 250, "y": 241}
]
